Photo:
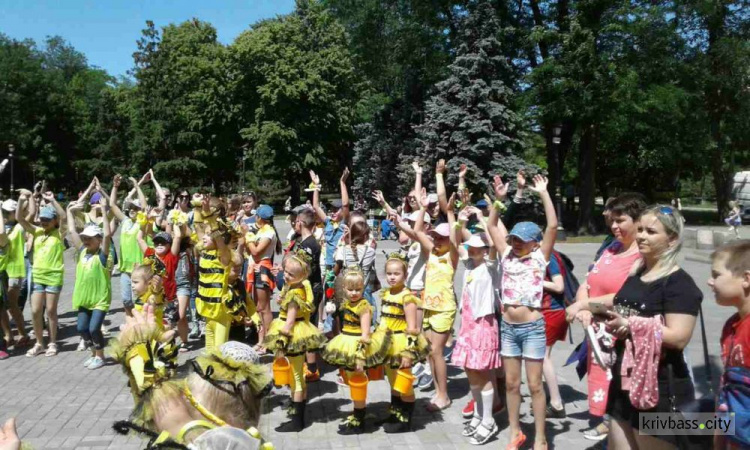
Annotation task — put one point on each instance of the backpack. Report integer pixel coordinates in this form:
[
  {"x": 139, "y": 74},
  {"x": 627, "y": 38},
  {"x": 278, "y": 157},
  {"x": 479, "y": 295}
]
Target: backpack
[
  {"x": 570, "y": 281},
  {"x": 734, "y": 397}
]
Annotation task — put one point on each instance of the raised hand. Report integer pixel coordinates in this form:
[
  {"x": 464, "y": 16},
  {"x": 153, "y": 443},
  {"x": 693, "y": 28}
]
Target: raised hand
[
  {"x": 521, "y": 179},
  {"x": 462, "y": 171},
  {"x": 417, "y": 168},
  {"x": 423, "y": 200},
  {"x": 378, "y": 197},
  {"x": 440, "y": 166},
  {"x": 48, "y": 196},
  {"x": 540, "y": 184},
  {"x": 314, "y": 177},
  {"x": 345, "y": 175},
  {"x": 117, "y": 180},
  {"x": 464, "y": 215},
  {"x": 75, "y": 206},
  {"x": 451, "y": 207},
  {"x": 24, "y": 193},
  {"x": 133, "y": 181},
  {"x": 500, "y": 188}
]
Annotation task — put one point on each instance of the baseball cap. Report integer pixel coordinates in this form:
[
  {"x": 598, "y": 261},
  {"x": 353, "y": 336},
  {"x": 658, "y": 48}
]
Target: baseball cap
[
  {"x": 300, "y": 208},
  {"x": 482, "y": 203},
  {"x": 265, "y": 212},
  {"x": 10, "y": 205},
  {"x": 48, "y": 213},
  {"x": 136, "y": 203},
  {"x": 92, "y": 231},
  {"x": 95, "y": 198},
  {"x": 432, "y": 198},
  {"x": 527, "y": 232},
  {"x": 478, "y": 240},
  {"x": 443, "y": 230},
  {"x": 163, "y": 236},
  {"x": 413, "y": 217},
  {"x": 336, "y": 204}
]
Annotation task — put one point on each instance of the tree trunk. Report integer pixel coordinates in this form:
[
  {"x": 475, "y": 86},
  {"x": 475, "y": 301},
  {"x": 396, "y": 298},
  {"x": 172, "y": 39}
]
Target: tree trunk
[{"x": 587, "y": 181}]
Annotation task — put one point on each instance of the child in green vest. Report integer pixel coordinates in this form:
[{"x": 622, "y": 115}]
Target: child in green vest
[{"x": 92, "y": 292}]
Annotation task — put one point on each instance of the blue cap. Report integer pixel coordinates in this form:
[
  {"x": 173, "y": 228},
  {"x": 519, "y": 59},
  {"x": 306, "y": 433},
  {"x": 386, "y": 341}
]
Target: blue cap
[
  {"x": 265, "y": 212},
  {"x": 482, "y": 204},
  {"x": 527, "y": 232},
  {"x": 48, "y": 213},
  {"x": 95, "y": 198}
]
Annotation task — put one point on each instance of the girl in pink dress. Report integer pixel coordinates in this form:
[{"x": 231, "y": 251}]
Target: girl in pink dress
[{"x": 478, "y": 344}]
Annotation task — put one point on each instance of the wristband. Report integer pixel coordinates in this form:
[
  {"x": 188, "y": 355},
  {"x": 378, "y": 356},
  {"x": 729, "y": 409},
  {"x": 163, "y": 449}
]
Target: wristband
[
  {"x": 499, "y": 206},
  {"x": 439, "y": 175},
  {"x": 458, "y": 225}
]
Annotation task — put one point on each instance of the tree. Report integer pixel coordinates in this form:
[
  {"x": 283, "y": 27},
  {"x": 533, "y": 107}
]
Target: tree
[
  {"x": 470, "y": 118},
  {"x": 298, "y": 92}
]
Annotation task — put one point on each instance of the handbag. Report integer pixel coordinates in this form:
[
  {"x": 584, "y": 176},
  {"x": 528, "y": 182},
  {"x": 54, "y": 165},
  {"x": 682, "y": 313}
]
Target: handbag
[{"x": 705, "y": 404}]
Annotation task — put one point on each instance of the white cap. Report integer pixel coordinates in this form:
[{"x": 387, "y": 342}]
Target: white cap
[
  {"x": 92, "y": 231},
  {"x": 136, "y": 202},
  {"x": 10, "y": 205},
  {"x": 478, "y": 240},
  {"x": 413, "y": 217},
  {"x": 432, "y": 198}
]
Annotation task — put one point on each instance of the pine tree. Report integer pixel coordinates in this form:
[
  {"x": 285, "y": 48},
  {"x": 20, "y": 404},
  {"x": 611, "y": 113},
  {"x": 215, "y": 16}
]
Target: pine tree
[{"x": 469, "y": 119}]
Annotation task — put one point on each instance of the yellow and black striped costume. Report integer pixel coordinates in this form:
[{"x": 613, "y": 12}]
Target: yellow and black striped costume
[
  {"x": 213, "y": 286},
  {"x": 393, "y": 321},
  {"x": 346, "y": 349},
  {"x": 304, "y": 337}
]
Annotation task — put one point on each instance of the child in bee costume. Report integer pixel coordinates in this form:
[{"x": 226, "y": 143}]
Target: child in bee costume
[
  {"x": 408, "y": 345},
  {"x": 355, "y": 349},
  {"x": 291, "y": 335}
]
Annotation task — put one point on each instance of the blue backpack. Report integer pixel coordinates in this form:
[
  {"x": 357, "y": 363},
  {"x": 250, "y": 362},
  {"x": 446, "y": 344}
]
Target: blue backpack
[{"x": 570, "y": 281}]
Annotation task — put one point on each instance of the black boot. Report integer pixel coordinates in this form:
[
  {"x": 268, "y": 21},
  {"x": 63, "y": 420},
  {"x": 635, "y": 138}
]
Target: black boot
[
  {"x": 403, "y": 423},
  {"x": 396, "y": 405},
  {"x": 297, "y": 422},
  {"x": 354, "y": 424}
]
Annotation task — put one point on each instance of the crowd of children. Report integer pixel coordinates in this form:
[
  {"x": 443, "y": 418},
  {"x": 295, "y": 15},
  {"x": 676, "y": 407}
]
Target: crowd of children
[{"x": 211, "y": 266}]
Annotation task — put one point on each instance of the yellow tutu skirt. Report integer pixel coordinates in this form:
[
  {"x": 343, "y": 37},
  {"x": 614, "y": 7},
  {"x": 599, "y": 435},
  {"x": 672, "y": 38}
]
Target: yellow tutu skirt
[
  {"x": 305, "y": 337},
  {"x": 342, "y": 351},
  {"x": 400, "y": 347}
]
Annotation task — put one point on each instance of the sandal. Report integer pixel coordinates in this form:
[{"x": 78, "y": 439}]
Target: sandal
[
  {"x": 51, "y": 350},
  {"x": 469, "y": 429},
  {"x": 484, "y": 434},
  {"x": 517, "y": 442},
  {"x": 37, "y": 349},
  {"x": 433, "y": 408}
]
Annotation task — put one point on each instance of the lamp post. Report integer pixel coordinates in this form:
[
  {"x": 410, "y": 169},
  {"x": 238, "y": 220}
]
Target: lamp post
[
  {"x": 556, "y": 140},
  {"x": 11, "y": 149}
]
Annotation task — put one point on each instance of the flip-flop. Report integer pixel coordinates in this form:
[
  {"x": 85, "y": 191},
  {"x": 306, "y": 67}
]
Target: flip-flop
[
  {"x": 433, "y": 408},
  {"x": 517, "y": 442}
]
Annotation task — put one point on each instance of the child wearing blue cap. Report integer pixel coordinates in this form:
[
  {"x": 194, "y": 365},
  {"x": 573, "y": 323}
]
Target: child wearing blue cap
[{"x": 524, "y": 254}]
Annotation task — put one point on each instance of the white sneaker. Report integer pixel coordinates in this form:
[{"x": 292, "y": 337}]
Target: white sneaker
[
  {"x": 106, "y": 333},
  {"x": 82, "y": 346},
  {"x": 88, "y": 361},
  {"x": 96, "y": 363}
]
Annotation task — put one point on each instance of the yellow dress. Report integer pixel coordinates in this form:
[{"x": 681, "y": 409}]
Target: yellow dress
[
  {"x": 393, "y": 321},
  {"x": 345, "y": 350},
  {"x": 304, "y": 336}
]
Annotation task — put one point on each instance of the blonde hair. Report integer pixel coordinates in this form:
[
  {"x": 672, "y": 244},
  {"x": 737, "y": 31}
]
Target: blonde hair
[
  {"x": 303, "y": 267},
  {"x": 673, "y": 224},
  {"x": 354, "y": 279},
  {"x": 241, "y": 411},
  {"x": 143, "y": 270}
]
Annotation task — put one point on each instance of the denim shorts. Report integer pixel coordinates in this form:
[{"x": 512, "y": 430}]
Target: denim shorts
[
  {"x": 523, "y": 340},
  {"x": 126, "y": 290},
  {"x": 45, "y": 288}
]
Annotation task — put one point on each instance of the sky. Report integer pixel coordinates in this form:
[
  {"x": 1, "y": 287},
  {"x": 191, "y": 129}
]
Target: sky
[{"x": 106, "y": 31}]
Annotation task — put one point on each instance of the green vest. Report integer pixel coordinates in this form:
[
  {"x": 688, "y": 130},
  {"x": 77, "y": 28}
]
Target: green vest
[
  {"x": 93, "y": 287},
  {"x": 130, "y": 252},
  {"x": 48, "y": 258},
  {"x": 16, "y": 264}
]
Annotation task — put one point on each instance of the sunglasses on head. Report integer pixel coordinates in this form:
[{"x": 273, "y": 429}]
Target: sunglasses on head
[{"x": 666, "y": 210}]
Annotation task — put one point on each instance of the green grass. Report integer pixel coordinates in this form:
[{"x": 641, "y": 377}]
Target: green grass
[{"x": 595, "y": 239}]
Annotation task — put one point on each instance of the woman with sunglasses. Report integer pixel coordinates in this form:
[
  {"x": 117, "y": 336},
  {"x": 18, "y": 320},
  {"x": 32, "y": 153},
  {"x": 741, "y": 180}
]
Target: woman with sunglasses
[{"x": 47, "y": 269}]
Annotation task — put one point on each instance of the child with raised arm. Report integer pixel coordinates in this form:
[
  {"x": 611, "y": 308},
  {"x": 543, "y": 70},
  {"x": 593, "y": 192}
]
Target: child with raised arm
[
  {"x": 478, "y": 342},
  {"x": 524, "y": 254},
  {"x": 13, "y": 268},
  {"x": 130, "y": 252},
  {"x": 438, "y": 300},
  {"x": 92, "y": 292},
  {"x": 356, "y": 349},
  {"x": 47, "y": 269}
]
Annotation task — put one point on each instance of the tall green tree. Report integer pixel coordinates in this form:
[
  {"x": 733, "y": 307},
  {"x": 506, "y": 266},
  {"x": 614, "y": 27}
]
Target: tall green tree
[{"x": 298, "y": 93}]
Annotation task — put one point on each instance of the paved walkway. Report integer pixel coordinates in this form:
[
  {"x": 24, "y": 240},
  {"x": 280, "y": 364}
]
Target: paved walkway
[{"x": 61, "y": 405}]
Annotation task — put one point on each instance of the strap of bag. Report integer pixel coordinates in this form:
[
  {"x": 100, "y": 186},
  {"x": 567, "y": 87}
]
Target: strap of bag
[{"x": 706, "y": 361}]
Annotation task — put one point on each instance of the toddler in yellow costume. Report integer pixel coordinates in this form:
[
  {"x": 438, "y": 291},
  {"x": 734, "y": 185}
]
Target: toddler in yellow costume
[
  {"x": 355, "y": 349},
  {"x": 291, "y": 335},
  {"x": 148, "y": 289},
  {"x": 408, "y": 345}
]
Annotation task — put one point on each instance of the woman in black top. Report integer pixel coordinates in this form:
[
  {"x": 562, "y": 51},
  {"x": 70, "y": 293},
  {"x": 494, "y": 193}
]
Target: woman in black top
[{"x": 658, "y": 286}]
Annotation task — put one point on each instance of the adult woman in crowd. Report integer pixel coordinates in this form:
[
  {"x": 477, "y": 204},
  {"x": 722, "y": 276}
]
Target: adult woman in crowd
[
  {"x": 604, "y": 279},
  {"x": 657, "y": 287}
]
